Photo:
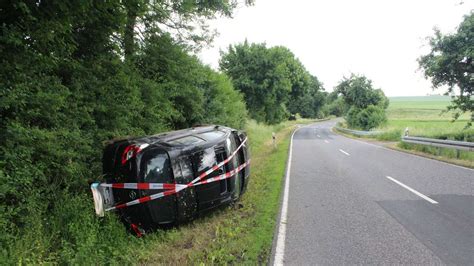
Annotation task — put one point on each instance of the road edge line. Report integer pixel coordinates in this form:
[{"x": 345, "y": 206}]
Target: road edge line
[{"x": 279, "y": 254}]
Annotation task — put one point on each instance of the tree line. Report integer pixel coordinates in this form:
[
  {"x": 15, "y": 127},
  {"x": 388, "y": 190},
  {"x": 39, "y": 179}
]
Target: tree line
[{"x": 275, "y": 84}]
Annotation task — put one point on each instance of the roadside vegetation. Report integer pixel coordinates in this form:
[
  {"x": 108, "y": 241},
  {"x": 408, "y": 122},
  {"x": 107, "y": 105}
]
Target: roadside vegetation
[
  {"x": 426, "y": 116},
  {"x": 76, "y": 74},
  {"x": 362, "y": 106}
]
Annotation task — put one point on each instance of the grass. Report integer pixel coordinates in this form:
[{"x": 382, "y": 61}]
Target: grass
[
  {"x": 445, "y": 155},
  {"x": 425, "y": 116},
  {"x": 421, "y": 108},
  {"x": 239, "y": 234}
]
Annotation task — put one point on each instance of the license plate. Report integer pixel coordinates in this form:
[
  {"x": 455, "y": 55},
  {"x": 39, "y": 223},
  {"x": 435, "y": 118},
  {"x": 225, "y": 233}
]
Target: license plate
[{"x": 103, "y": 198}]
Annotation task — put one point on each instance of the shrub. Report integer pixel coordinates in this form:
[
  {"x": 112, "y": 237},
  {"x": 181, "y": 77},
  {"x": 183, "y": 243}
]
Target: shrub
[
  {"x": 367, "y": 118},
  {"x": 335, "y": 108}
]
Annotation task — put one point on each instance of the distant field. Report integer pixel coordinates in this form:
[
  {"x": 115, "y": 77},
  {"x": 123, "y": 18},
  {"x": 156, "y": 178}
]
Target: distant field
[
  {"x": 424, "y": 116},
  {"x": 420, "y": 108}
]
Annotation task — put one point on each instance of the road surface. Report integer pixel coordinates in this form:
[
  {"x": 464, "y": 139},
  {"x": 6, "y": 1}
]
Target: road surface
[{"x": 352, "y": 202}]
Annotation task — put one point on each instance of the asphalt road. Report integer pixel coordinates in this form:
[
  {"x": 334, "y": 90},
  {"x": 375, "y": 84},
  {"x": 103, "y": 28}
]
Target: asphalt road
[{"x": 351, "y": 202}]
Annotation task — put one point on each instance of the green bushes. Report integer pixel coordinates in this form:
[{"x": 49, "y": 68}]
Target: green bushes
[
  {"x": 366, "y": 119},
  {"x": 65, "y": 87},
  {"x": 364, "y": 106}
]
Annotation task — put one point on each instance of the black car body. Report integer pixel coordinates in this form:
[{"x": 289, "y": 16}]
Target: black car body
[{"x": 177, "y": 157}]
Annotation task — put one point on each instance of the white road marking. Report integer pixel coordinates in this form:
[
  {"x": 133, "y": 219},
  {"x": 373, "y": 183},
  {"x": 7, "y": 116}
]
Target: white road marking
[
  {"x": 318, "y": 136},
  {"x": 412, "y": 190},
  {"x": 346, "y": 153},
  {"x": 326, "y": 141},
  {"x": 280, "y": 244}
]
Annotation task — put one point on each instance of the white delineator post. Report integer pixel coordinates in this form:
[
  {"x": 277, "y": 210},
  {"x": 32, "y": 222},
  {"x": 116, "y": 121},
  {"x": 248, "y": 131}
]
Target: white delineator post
[{"x": 274, "y": 140}]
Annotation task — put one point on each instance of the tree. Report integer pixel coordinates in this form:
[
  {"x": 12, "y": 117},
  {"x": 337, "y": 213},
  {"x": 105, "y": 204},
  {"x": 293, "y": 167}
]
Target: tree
[
  {"x": 451, "y": 63},
  {"x": 366, "y": 105},
  {"x": 262, "y": 77},
  {"x": 186, "y": 21},
  {"x": 273, "y": 81},
  {"x": 358, "y": 91}
]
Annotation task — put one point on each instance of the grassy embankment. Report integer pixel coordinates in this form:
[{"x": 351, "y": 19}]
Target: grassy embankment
[
  {"x": 242, "y": 233},
  {"x": 424, "y": 117},
  {"x": 237, "y": 234}
]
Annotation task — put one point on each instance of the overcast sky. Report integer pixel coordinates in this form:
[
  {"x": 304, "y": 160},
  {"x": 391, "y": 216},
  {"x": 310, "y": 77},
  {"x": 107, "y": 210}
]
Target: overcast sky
[{"x": 378, "y": 38}]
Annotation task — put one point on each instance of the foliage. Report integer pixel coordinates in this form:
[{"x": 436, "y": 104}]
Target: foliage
[
  {"x": 367, "y": 118},
  {"x": 366, "y": 105},
  {"x": 67, "y": 84},
  {"x": 273, "y": 81},
  {"x": 358, "y": 91},
  {"x": 185, "y": 20},
  {"x": 334, "y": 105},
  {"x": 450, "y": 63}
]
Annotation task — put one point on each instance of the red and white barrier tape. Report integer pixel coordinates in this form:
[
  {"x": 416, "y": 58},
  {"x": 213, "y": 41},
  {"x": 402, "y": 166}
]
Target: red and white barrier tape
[
  {"x": 180, "y": 187},
  {"x": 142, "y": 186},
  {"x": 175, "y": 188}
]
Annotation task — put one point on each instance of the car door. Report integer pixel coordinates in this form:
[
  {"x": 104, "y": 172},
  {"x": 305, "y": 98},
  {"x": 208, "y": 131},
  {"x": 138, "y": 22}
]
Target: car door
[{"x": 209, "y": 195}]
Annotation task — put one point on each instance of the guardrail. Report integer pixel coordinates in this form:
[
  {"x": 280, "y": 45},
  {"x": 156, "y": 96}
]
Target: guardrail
[
  {"x": 452, "y": 144},
  {"x": 439, "y": 143},
  {"x": 359, "y": 132}
]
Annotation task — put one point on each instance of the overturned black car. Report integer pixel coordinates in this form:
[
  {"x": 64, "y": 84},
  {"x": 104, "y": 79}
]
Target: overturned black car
[{"x": 172, "y": 177}]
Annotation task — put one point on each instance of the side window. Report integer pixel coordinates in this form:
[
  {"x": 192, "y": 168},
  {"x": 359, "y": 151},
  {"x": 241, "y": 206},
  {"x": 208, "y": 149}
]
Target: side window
[
  {"x": 156, "y": 167},
  {"x": 186, "y": 170},
  {"x": 206, "y": 159}
]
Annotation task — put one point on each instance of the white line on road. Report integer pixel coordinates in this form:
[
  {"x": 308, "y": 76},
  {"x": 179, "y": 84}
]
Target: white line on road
[
  {"x": 326, "y": 141},
  {"x": 318, "y": 136},
  {"x": 412, "y": 190},
  {"x": 346, "y": 153},
  {"x": 280, "y": 244}
]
